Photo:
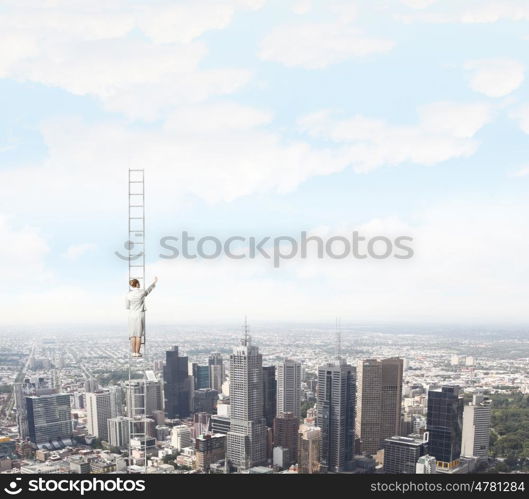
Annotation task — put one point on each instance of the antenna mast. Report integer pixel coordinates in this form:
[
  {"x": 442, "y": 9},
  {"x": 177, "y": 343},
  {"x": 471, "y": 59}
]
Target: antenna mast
[
  {"x": 338, "y": 339},
  {"x": 246, "y": 329}
]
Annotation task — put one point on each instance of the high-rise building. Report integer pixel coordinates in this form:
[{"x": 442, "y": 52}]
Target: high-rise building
[
  {"x": 91, "y": 385},
  {"x": 444, "y": 425},
  {"x": 162, "y": 432},
  {"x": 49, "y": 417},
  {"x": 201, "y": 423},
  {"x": 309, "y": 440},
  {"x": 116, "y": 400},
  {"x": 20, "y": 406},
  {"x": 216, "y": 371},
  {"x": 205, "y": 400},
  {"x": 426, "y": 465},
  {"x": 118, "y": 429},
  {"x": 392, "y": 370},
  {"x": 144, "y": 396},
  {"x": 98, "y": 412},
  {"x": 368, "y": 404},
  {"x": 286, "y": 427},
  {"x": 378, "y": 402},
  {"x": 289, "y": 387},
  {"x": 281, "y": 457},
  {"x": 269, "y": 394},
  {"x": 476, "y": 427},
  {"x": 336, "y": 415},
  {"x": 246, "y": 443},
  {"x": 200, "y": 376},
  {"x": 209, "y": 449},
  {"x": 402, "y": 453},
  {"x": 181, "y": 437},
  {"x": 177, "y": 385},
  {"x": 220, "y": 424}
]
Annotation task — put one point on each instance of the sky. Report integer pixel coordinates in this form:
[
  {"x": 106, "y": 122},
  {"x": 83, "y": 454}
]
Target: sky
[{"x": 266, "y": 117}]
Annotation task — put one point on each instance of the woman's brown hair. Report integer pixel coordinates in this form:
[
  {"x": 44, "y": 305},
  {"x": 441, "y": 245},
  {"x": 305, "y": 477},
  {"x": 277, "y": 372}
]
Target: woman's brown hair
[{"x": 134, "y": 283}]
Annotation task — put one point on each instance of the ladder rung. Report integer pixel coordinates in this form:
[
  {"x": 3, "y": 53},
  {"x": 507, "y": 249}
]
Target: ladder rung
[{"x": 136, "y": 206}]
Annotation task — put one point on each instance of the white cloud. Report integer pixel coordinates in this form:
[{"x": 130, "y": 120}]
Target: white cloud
[
  {"x": 521, "y": 172},
  {"x": 418, "y": 4},
  {"x": 223, "y": 151},
  {"x": 94, "y": 49},
  {"x": 318, "y": 45},
  {"x": 522, "y": 116},
  {"x": 216, "y": 117},
  {"x": 75, "y": 251},
  {"x": 457, "y": 119},
  {"x": 22, "y": 255},
  {"x": 301, "y": 7},
  {"x": 216, "y": 153},
  {"x": 495, "y": 77},
  {"x": 444, "y": 132},
  {"x": 467, "y": 12},
  {"x": 64, "y": 304},
  {"x": 496, "y": 10}
]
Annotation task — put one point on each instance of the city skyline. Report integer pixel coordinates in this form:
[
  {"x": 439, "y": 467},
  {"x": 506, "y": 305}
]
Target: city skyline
[{"x": 433, "y": 377}]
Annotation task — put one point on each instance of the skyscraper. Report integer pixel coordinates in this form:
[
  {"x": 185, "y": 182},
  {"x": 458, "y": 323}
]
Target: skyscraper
[
  {"x": 216, "y": 371},
  {"x": 402, "y": 453},
  {"x": 177, "y": 385},
  {"x": 144, "y": 396},
  {"x": 181, "y": 437},
  {"x": 286, "y": 427},
  {"x": 378, "y": 402},
  {"x": 98, "y": 412},
  {"x": 309, "y": 440},
  {"x": 246, "y": 442},
  {"x": 444, "y": 425},
  {"x": 289, "y": 387},
  {"x": 116, "y": 401},
  {"x": 476, "y": 427},
  {"x": 369, "y": 404},
  {"x": 200, "y": 376},
  {"x": 269, "y": 394},
  {"x": 49, "y": 417},
  {"x": 336, "y": 415},
  {"x": 209, "y": 449},
  {"x": 118, "y": 431},
  {"x": 392, "y": 370},
  {"x": 21, "y": 415},
  {"x": 205, "y": 400}
]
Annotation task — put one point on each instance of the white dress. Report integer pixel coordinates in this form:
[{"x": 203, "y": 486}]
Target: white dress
[{"x": 135, "y": 303}]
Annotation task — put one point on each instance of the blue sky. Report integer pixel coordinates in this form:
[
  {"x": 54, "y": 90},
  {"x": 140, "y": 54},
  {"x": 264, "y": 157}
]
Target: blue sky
[{"x": 265, "y": 117}]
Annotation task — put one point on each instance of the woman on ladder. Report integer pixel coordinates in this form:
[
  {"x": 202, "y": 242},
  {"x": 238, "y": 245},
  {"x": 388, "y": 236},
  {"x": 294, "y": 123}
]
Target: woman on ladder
[{"x": 135, "y": 303}]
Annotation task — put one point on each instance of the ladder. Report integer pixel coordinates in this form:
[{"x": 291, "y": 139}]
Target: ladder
[
  {"x": 138, "y": 421},
  {"x": 137, "y": 388}
]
